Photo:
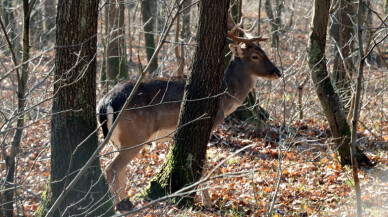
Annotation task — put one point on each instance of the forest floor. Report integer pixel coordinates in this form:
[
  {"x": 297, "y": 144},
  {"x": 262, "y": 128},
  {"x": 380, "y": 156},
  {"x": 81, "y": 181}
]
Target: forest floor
[{"x": 312, "y": 183}]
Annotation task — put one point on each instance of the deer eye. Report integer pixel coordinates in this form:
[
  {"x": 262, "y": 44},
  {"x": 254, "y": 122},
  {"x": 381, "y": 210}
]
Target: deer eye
[{"x": 255, "y": 57}]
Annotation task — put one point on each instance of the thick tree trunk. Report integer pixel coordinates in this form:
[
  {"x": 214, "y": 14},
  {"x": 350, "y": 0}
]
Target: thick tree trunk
[
  {"x": 74, "y": 114},
  {"x": 329, "y": 99},
  {"x": 117, "y": 67},
  {"x": 148, "y": 8},
  {"x": 185, "y": 160}
]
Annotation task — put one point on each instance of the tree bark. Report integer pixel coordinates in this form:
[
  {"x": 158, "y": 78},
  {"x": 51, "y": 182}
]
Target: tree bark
[
  {"x": 386, "y": 7},
  {"x": 74, "y": 114},
  {"x": 186, "y": 33},
  {"x": 329, "y": 99},
  {"x": 274, "y": 20},
  {"x": 147, "y": 9},
  {"x": 7, "y": 197},
  {"x": 8, "y": 17},
  {"x": 185, "y": 160},
  {"x": 342, "y": 32},
  {"x": 117, "y": 67},
  {"x": 49, "y": 15}
]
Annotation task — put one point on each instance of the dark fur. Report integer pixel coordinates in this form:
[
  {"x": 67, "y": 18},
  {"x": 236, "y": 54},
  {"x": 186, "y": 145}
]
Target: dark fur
[{"x": 150, "y": 92}]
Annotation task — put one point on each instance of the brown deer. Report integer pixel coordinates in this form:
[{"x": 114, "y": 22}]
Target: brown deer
[{"x": 153, "y": 112}]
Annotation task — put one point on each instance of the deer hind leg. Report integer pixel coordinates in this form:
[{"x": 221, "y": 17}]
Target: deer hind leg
[
  {"x": 206, "y": 201},
  {"x": 116, "y": 173}
]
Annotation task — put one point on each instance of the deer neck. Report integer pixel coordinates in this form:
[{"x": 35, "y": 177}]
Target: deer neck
[{"x": 238, "y": 82}]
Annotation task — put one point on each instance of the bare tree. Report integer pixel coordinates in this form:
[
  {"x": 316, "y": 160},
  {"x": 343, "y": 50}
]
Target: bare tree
[
  {"x": 184, "y": 162},
  {"x": 329, "y": 99},
  {"x": 116, "y": 63},
  {"x": 49, "y": 8},
  {"x": 9, "y": 189},
  {"x": 275, "y": 20},
  {"x": 342, "y": 32},
  {"x": 73, "y": 124},
  {"x": 148, "y": 11}
]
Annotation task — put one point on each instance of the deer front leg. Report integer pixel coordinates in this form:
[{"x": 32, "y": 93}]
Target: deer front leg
[
  {"x": 115, "y": 174},
  {"x": 206, "y": 201}
]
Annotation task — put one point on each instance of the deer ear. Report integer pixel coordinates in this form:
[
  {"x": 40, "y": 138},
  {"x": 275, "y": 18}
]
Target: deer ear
[{"x": 236, "y": 50}]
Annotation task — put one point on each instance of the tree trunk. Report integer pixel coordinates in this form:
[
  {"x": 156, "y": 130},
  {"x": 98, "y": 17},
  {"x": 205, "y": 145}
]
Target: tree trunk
[
  {"x": 342, "y": 32},
  {"x": 386, "y": 7},
  {"x": 148, "y": 8},
  {"x": 7, "y": 197},
  {"x": 186, "y": 33},
  {"x": 275, "y": 21},
  {"x": 9, "y": 18},
  {"x": 49, "y": 7},
  {"x": 259, "y": 18},
  {"x": 74, "y": 114},
  {"x": 117, "y": 67},
  {"x": 329, "y": 99},
  {"x": 185, "y": 160}
]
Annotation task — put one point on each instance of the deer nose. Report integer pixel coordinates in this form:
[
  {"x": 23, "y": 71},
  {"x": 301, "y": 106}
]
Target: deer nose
[{"x": 277, "y": 72}]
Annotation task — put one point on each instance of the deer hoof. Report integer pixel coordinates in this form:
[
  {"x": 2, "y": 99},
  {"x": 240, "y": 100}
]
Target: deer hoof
[{"x": 124, "y": 205}]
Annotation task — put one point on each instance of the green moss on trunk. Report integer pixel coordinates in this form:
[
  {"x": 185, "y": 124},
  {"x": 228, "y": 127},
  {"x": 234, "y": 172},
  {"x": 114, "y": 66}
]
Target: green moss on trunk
[
  {"x": 74, "y": 115},
  {"x": 185, "y": 161},
  {"x": 330, "y": 101}
]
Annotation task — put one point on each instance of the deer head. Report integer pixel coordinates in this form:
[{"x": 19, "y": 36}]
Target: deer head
[{"x": 251, "y": 55}]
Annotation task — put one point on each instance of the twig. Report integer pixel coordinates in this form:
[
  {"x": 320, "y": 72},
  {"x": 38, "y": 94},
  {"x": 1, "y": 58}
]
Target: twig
[{"x": 356, "y": 112}]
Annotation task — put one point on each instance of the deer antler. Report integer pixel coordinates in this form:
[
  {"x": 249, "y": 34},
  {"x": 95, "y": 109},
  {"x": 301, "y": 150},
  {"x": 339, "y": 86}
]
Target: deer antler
[{"x": 236, "y": 27}]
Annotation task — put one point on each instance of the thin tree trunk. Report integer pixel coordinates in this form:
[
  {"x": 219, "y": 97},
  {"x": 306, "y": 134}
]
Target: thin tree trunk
[
  {"x": 259, "y": 19},
  {"x": 9, "y": 18},
  {"x": 186, "y": 33},
  {"x": 386, "y": 7},
  {"x": 178, "y": 54},
  {"x": 329, "y": 99},
  {"x": 292, "y": 15},
  {"x": 148, "y": 8},
  {"x": 8, "y": 194},
  {"x": 49, "y": 7},
  {"x": 185, "y": 160},
  {"x": 342, "y": 32},
  {"x": 116, "y": 64},
  {"x": 356, "y": 112},
  {"x": 275, "y": 21},
  {"x": 74, "y": 115}
]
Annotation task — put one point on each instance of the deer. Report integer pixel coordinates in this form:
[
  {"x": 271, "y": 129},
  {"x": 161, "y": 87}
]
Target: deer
[{"x": 154, "y": 110}]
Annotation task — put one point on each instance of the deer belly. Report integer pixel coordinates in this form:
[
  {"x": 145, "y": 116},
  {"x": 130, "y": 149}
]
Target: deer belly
[
  {"x": 166, "y": 121},
  {"x": 162, "y": 135}
]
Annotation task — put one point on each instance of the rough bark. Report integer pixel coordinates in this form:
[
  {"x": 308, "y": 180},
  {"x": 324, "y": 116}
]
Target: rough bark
[
  {"x": 147, "y": 9},
  {"x": 185, "y": 160},
  {"x": 342, "y": 32},
  {"x": 116, "y": 67},
  {"x": 74, "y": 114},
  {"x": 330, "y": 101}
]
